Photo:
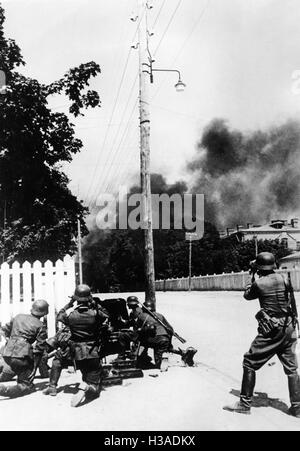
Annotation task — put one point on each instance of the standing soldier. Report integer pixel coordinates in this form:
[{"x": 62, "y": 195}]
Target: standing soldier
[
  {"x": 19, "y": 355},
  {"x": 276, "y": 333},
  {"x": 85, "y": 321}
]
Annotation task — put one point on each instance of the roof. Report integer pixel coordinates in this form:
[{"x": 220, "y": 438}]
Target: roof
[
  {"x": 294, "y": 256},
  {"x": 268, "y": 228}
]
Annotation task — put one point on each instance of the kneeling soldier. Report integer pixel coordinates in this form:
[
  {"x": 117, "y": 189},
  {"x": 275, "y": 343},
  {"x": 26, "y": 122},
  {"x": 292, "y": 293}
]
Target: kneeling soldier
[
  {"x": 19, "y": 355},
  {"x": 156, "y": 333},
  {"x": 85, "y": 322}
]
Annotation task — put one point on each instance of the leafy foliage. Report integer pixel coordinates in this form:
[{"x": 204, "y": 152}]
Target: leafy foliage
[{"x": 38, "y": 213}]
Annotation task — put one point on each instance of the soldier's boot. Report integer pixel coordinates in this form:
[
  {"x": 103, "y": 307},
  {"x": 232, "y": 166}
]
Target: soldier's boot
[
  {"x": 188, "y": 356},
  {"x": 44, "y": 369},
  {"x": 164, "y": 365},
  {"x": 80, "y": 396},
  {"x": 244, "y": 404},
  {"x": 16, "y": 391},
  {"x": 6, "y": 376},
  {"x": 85, "y": 391},
  {"x": 51, "y": 391},
  {"x": 294, "y": 391},
  {"x": 93, "y": 391}
]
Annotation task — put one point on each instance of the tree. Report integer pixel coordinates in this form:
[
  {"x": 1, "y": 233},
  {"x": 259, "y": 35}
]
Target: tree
[{"x": 39, "y": 212}]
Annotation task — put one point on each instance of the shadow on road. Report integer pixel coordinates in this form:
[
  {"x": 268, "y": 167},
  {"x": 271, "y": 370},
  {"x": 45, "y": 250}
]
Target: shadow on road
[
  {"x": 262, "y": 400},
  {"x": 70, "y": 388}
]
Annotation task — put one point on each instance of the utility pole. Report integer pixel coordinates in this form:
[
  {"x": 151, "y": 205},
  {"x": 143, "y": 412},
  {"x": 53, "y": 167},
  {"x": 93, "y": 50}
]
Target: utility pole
[
  {"x": 190, "y": 263},
  {"x": 79, "y": 249},
  {"x": 256, "y": 245},
  {"x": 4, "y": 226},
  {"x": 191, "y": 237},
  {"x": 144, "y": 110}
]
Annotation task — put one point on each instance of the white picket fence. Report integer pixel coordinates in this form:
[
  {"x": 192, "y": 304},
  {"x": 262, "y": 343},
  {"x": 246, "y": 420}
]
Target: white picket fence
[
  {"x": 235, "y": 281},
  {"x": 21, "y": 285}
]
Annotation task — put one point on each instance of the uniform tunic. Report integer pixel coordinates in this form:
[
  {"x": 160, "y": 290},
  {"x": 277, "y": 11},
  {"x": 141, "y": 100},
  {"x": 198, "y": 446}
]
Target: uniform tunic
[
  {"x": 84, "y": 323},
  {"x": 18, "y": 354},
  {"x": 271, "y": 290},
  {"x": 160, "y": 339}
]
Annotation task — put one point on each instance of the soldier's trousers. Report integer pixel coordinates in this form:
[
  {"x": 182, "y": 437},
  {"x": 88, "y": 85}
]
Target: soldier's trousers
[
  {"x": 91, "y": 371},
  {"x": 6, "y": 373},
  {"x": 159, "y": 344},
  {"x": 22, "y": 368},
  {"x": 58, "y": 365},
  {"x": 282, "y": 343}
]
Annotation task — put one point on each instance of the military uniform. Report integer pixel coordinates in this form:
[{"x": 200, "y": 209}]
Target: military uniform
[
  {"x": 19, "y": 354},
  {"x": 6, "y": 373},
  {"x": 272, "y": 291},
  {"x": 84, "y": 322},
  {"x": 152, "y": 334}
]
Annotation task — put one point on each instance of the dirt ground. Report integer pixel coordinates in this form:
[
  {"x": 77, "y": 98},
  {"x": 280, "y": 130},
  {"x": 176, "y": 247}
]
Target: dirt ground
[{"x": 221, "y": 325}]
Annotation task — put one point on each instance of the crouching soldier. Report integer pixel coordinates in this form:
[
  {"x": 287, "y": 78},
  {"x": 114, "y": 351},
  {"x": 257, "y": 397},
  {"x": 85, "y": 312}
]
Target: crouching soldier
[
  {"x": 85, "y": 321},
  {"x": 155, "y": 332},
  {"x": 19, "y": 355}
]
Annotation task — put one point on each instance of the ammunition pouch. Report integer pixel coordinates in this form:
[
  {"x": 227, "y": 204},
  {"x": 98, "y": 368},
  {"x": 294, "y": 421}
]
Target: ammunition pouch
[{"x": 267, "y": 325}]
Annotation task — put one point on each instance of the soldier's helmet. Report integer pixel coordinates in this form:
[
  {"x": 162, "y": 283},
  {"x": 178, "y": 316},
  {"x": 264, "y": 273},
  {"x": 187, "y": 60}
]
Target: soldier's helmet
[
  {"x": 149, "y": 306},
  {"x": 40, "y": 308},
  {"x": 82, "y": 293},
  {"x": 132, "y": 301},
  {"x": 265, "y": 261}
]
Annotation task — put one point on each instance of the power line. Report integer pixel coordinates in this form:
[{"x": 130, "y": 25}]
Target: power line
[
  {"x": 112, "y": 114},
  {"x": 110, "y": 120},
  {"x": 194, "y": 27},
  {"x": 126, "y": 161},
  {"x": 124, "y": 136},
  {"x": 159, "y": 13},
  {"x": 114, "y": 154},
  {"x": 168, "y": 26}
]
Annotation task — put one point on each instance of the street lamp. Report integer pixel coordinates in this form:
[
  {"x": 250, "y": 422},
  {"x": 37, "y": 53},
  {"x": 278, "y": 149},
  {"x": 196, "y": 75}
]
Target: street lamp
[{"x": 179, "y": 86}]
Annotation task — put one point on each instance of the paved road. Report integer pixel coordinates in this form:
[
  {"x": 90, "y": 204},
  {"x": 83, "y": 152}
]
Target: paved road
[{"x": 221, "y": 326}]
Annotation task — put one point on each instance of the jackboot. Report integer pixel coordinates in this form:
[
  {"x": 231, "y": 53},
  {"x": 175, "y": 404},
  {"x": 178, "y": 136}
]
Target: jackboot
[
  {"x": 164, "y": 365},
  {"x": 188, "y": 356},
  {"x": 80, "y": 396},
  {"x": 51, "y": 390},
  {"x": 247, "y": 389},
  {"x": 85, "y": 391},
  {"x": 294, "y": 391}
]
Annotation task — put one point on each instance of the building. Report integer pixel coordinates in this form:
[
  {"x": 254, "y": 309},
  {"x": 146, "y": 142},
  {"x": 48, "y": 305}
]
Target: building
[
  {"x": 290, "y": 262},
  {"x": 277, "y": 230}
]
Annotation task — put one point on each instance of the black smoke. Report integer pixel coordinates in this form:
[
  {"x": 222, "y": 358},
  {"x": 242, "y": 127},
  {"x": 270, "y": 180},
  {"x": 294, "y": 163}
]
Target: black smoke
[{"x": 248, "y": 177}]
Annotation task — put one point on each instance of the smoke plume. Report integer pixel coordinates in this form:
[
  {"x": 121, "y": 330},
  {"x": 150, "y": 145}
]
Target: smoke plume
[{"x": 250, "y": 177}]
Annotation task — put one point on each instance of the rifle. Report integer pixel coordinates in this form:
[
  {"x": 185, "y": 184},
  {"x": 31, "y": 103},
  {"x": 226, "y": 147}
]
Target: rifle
[
  {"x": 182, "y": 340},
  {"x": 293, "y": 302}
]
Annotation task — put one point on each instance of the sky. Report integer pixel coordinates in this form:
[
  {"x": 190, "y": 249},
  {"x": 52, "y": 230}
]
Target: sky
[{"x": 236, "y": 58}]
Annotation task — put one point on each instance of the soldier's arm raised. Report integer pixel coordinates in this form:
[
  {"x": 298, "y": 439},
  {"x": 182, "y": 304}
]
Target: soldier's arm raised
[
  {"x": 251, "y": 292},
  {"x": 62, "y": 315}
]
